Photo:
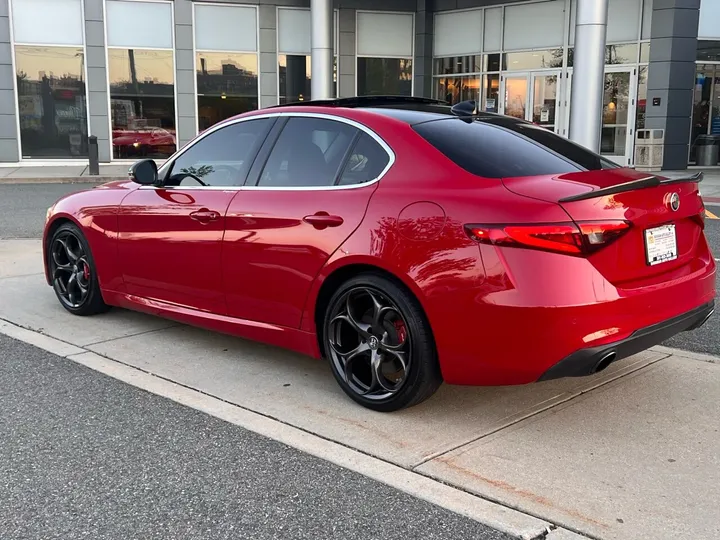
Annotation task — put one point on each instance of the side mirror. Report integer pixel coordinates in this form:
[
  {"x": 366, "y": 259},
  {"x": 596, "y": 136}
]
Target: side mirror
[{"x": 144, "y": 172}]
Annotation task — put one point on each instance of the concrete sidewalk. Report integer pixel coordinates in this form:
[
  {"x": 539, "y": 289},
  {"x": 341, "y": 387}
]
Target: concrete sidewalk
[
  {"x": 630, "y": 453},
  {"x": 61, "y": 174}
]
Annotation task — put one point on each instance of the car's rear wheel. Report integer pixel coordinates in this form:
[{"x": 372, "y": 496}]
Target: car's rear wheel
[
  {"x": 380, "y": 345},
  {"x": 73, "y": 273}
]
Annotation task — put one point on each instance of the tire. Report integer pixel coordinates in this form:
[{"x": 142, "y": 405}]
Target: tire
[
  {"x": 73, "y": 273},
  {"x": 372, "y": 321}
]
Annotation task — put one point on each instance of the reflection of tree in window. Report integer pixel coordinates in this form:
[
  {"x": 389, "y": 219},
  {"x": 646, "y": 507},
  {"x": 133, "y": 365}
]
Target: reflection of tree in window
[
  {"x": 51, "y": 101},
  {"x": 201, "y": 171}
]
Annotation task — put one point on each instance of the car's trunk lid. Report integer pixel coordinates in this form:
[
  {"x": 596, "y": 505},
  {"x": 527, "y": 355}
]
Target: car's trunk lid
[{"x": 649, "y": 203}]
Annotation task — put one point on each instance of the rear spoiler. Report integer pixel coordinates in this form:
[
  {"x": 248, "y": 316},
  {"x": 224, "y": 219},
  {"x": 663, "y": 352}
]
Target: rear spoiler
[{"x": 641, "y": 183}]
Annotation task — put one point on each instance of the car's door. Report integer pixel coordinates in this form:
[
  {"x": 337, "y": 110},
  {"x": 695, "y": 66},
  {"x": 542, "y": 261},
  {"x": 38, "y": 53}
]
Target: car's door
[
  {"x": 310, "y": 196},
  {"x": 171, "y": 235}
]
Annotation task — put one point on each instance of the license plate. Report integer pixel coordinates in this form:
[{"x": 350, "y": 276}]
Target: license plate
[{"x": 660, "y": 244}]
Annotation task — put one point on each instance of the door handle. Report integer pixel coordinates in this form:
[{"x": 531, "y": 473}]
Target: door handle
[
  {"x": 204, "y": 215},
  {"x": 322, "y": 220}
]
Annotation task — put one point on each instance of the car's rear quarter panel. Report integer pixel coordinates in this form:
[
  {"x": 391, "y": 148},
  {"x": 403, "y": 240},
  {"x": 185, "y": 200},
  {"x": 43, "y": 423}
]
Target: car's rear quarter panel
[{"x": 506, "y": 316}]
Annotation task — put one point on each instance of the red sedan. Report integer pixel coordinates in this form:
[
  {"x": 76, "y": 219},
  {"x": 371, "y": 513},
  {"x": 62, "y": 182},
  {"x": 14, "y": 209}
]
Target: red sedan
[{"x": 406, "y": 242}]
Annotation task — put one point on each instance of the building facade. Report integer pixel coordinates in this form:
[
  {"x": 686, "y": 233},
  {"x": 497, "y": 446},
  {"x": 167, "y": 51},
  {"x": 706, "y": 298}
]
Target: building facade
[{"x": 145, "y": 76}]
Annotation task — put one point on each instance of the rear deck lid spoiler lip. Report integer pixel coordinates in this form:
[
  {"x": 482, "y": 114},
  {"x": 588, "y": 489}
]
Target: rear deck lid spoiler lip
[{"x": 641, "y": 183}]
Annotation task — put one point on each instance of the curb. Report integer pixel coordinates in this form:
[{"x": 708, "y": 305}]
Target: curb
[
  {"x": 681, "y": 353},
  {"x": 63, "y": 180},
  {"x": 496, "y": 516}
]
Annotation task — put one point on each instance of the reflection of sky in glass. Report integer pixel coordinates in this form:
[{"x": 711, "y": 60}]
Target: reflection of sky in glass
[
  {"x": 156, "y": 66},
  {"x": 55, "y": 61},
  {"x": 214, "y": 62}
]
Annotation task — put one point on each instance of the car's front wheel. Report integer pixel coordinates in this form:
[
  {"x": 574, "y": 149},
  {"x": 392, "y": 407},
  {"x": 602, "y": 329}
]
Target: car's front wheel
[
  {"x": 379, "y": 344},
  {"x": 73, "y": 273}
]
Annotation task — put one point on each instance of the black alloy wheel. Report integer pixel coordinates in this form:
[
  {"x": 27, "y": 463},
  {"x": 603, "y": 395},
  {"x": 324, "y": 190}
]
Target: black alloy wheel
[
  {"x": 72, "y": 272},
  {"x": 379, "y": 344}
]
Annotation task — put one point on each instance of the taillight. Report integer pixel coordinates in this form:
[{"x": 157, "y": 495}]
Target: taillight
[{"x": 580, "y": 238}]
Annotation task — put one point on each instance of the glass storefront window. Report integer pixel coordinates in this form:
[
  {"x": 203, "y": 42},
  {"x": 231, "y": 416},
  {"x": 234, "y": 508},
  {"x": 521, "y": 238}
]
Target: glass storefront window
[
  {"x": 520, "y": 61},
  {"x": 491, "y": 99},
  {"x": 384, "y": 76},
  {"x": 644, "y": 53},
  {"x": 295, "y": 83},
  {"x": 457, "y": 64},
  {"x": 227, "y": 85},
  {"x": 142, "y": 102},
  {"x": 51, "y": 101},
  {"x": 621, "y": 54},
  {"x": 617, "y": 54},
  {"x": 492, "y": 62},
  {"x": 294, "y": 78},
  {"x": 706, "y": 105},
  {"x": 708, "y": 51},
  {"x": 457, "y": 89}
]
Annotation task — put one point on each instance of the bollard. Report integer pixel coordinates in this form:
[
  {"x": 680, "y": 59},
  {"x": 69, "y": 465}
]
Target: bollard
[{"x": 94, "y": 168}]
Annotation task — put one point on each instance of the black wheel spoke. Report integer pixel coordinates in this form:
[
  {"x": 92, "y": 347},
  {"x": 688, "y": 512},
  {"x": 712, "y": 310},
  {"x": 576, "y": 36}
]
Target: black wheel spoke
[
  {"x": 69, "y": 268},
  {"x": 62, "y": 286},
  {"x": 59, "y": 262},
  {"x": 395, "y": 353},
  {"x": 71, "y": 255},
  {"x": 83, "y": 288},
  {"x": 385, "y": 346},
  {"x": 379, "y": 317},
  {"x": 368, "y": 344},
  {"x": 361, "y": 328},
  {"x": 62, "y": 270}
]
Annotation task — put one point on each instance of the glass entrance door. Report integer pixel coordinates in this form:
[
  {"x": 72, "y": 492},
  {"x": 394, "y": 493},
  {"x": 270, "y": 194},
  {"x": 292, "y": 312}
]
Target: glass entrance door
[
  {"x": 617, "y": 139},
  {"x": 532, "y": 97},
  {"x": 544, "y": 100},
  {"x": 515, "y": 96},
  {"x": 617, "y": 131}
]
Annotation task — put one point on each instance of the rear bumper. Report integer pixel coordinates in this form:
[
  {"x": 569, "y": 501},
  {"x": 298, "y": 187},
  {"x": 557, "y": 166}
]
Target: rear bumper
[{"x": 587, "y": 361}]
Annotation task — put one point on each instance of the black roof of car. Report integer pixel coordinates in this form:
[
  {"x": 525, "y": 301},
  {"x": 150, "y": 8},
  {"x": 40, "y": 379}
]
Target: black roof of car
[{"x": 413, "y": 110}]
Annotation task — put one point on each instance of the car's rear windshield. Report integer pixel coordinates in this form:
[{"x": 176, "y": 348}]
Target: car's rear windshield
[{"x": 497, "y": 147}]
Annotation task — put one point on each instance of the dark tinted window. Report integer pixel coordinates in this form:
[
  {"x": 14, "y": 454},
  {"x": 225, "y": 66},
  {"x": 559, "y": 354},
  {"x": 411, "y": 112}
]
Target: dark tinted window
[
  {"x": 367, "y": 160},
  {"x": 569, "y": 150},
  {"x": 222, "y": 158},
  {"x": 308, "y": 152},
  {"x": 484, "y": 148}
]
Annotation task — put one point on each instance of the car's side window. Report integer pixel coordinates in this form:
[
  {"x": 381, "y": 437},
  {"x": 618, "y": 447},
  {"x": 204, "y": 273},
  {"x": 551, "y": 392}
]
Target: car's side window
[
  {"x": 308, "y": 152},
  {"x": 367, "y": 160},
  {"x": 222, "y": 158}
]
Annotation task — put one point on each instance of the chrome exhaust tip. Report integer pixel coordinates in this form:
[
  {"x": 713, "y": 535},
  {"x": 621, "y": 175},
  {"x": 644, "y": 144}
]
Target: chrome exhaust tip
[{"x": 605, "y": 361}]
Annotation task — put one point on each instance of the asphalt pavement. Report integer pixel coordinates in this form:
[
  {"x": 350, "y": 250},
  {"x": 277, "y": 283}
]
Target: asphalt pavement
[
  {"x": 86, "y": 456},
  {"x": 23, "y": 206}
]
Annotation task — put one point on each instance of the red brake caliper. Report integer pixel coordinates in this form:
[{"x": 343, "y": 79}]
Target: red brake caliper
[
  {"x": 86, "y": 272},
  {"x": 401, "y": 331}
]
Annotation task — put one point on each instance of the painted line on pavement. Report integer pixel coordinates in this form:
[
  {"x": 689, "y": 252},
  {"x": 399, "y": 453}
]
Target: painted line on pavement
[
  {"x": 710, "y": 215},
  {"x": 498, "y": 516}
]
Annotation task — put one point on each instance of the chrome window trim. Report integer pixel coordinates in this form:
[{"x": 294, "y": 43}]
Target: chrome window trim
[{"x": 324, "y": 116}]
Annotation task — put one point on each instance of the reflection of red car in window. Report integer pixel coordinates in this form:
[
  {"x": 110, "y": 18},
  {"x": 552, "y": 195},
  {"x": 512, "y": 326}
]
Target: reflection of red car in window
[{"x": 143, "y": 142}]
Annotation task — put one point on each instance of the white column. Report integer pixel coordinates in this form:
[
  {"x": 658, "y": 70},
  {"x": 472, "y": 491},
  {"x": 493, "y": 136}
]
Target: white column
[
  {"x": 321, "y": 14},
  {"x": 588, "y": 73}
]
